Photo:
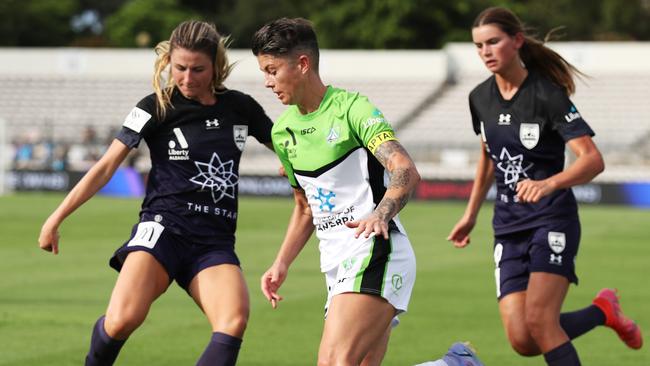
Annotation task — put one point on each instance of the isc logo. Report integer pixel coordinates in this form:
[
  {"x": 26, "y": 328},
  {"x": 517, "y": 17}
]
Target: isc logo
[{"x": 307, "y": 131}]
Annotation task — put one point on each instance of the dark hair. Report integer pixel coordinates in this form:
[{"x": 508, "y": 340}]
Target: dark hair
[
  {"x": 286, "y": 36},
  {"x": 196, "y": 36},
  {"x": 533, "y": 53}
]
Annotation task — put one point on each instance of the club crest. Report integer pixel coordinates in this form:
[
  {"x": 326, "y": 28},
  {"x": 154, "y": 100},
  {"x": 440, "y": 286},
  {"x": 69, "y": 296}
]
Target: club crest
[
  {"x": 557, "y": 241},
  {"x": 240, "y": 133},
  {"x": 529, "y": 135}
]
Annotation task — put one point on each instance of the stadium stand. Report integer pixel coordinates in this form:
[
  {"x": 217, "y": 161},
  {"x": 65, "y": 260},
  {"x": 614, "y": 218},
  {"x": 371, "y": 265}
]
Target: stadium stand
[{"x": 51, "y": 96}]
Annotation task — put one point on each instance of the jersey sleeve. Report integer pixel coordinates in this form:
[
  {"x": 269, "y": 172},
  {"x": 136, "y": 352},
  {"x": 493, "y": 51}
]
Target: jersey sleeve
[
  {"x": 260, "y": 124},
  {"x": 565, "y": 118},
  {"x": 281, "y": 145},
  {"x": 476, "y": 123},
  {"x": 369, "y": 124},
  {"x": 138, "y": 123}
]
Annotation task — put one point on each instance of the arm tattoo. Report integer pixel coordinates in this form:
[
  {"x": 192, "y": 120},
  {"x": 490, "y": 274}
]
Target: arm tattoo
[{"x": 399, "y": 179}]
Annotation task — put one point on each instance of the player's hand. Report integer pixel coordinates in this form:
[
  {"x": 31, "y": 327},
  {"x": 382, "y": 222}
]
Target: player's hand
[
  {"x": 371, "y": 225},
  {"x": 459, "y": 235},
  {"x": 271, "y": 281},
  {"x": 49, "y": 237},
  {"x": 531, "y": 191}
]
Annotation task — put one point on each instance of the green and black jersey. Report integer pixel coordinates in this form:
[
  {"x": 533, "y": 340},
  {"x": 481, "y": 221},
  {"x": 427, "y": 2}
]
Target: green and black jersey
[{"x": 329, "y": 154}]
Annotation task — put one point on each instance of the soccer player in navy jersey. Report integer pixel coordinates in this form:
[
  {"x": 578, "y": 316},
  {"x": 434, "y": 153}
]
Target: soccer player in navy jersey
[
  {"x": 196, "y": 130},
  {"x": 525, "y": 118}
]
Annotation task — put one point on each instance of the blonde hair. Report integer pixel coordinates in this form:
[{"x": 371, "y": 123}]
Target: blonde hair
[
  {"x": 192, "y": 35},
  {"x": 534, "y": 53}
]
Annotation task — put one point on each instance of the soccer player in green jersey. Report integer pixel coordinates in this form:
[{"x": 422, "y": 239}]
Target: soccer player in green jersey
[{"x": 350, "y": 177}]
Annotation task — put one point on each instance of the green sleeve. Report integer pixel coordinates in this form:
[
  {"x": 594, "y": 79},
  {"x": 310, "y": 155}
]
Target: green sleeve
[
  {"x": 281, "y": 146},
  {"x": 369, "y": 124}
]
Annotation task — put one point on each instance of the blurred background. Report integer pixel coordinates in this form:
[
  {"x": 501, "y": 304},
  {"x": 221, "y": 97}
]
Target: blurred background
[{"x": 71, "y": 70}]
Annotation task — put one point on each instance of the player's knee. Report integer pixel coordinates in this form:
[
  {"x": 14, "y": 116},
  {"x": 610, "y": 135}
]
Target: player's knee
[
  {"x": 120, "y": 324},
  {"x": 337, "y": 356},
  {"x": 538, "y": 322},
  {"x": 522, "y": 343},
  {"x": 524, "y": 347},
  {"x": 234, "y": 325}
]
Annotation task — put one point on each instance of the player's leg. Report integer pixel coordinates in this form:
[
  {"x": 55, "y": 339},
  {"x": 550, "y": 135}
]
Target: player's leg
[
  {"x": 355, "y": 324},
  {"x": 512, "y": 308},
  {"x": 142, "y": 279},
  {"x": 544, "y": 298},
  {"x": 377, "y": 353},
  {"x": 511, "y": 274},
  {"x": 222, "y": 294}
]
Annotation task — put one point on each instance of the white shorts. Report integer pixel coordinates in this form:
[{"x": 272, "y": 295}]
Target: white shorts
[{"x": 379, "y": 267}]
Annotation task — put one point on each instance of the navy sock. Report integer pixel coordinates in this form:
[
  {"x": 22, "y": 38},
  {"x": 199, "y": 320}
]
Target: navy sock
[
  {"x": 103, "y": 348},
  {"x": 577, "y": 323},
  {"x": 221, "y": 351},
  {"x": 563, "y": 355}
]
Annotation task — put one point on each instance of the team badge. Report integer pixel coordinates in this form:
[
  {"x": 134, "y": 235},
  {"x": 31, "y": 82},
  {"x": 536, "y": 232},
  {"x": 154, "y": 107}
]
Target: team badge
[
  {"x": 529, "y": 135},
  {"x": 240, "y": 133},
  {"x": 557, "y": 241}
]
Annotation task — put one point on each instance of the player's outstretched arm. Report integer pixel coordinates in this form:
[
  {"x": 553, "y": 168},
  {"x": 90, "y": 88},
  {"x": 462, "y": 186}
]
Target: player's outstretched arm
[
  {"x": 459, "y": 235},
  {"x": 403, "y": 178},
  {"x": 299, "y": 230},
  {"x": 96, "y": 178}
]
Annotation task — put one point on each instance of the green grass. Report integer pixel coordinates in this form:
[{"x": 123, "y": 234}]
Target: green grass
[{"x": 48, "y": 304}]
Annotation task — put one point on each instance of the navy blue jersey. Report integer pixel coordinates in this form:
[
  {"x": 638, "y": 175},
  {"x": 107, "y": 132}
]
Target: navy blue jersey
[
  {"x": 525, "y": 138},
  {"x": 195, "y": 152}
]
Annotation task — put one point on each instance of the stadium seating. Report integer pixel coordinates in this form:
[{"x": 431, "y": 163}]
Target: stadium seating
[{"x": 423, "y": 93}]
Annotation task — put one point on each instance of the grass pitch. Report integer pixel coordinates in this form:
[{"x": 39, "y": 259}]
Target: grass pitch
[{"x": 48, "y": 304}]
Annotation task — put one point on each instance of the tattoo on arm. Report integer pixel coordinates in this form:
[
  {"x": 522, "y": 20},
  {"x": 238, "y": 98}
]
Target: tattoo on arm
[{"x": 399, "y": 179}]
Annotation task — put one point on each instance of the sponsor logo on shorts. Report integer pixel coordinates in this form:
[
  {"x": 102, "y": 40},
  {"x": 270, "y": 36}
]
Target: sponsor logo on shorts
[{"x": 555, "y": 259}]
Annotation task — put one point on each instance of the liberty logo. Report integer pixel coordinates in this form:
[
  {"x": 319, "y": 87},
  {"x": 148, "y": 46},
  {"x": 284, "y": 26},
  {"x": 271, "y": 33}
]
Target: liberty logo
[
  {"x": 504, "y": 119},
  {"x": 182, "y": 153},
  {"x": 397, "y": 283},
  {"x": 572, "y": 115},
  {"x": 216, "y": 176},
  {"x": 325, "y": 204},
  {"x": 512, "y": 168},
  {"x": 212, "y": 124}
]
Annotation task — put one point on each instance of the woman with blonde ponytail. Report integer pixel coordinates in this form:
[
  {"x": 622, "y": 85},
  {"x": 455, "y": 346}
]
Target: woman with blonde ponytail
[
  {"x": 525, "y": 119},
  {"x": 196, "y": 130}
]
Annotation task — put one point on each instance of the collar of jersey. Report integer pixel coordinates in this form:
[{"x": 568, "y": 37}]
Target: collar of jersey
[
  {"x": 327, "y": 98},
  {"x": 510, "y": 101}
]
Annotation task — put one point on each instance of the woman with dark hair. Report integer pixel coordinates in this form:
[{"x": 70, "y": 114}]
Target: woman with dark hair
[
  {"x": 196, "y": 129},
  {"x": 525, "y": 118}
]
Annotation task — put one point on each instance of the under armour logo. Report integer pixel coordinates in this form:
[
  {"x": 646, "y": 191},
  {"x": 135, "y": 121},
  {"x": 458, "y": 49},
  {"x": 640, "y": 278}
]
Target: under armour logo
[
  {"x": 211, "y": 124},
  {"x": 504, "y": 119},
  {"x": 556, "y": 259}
]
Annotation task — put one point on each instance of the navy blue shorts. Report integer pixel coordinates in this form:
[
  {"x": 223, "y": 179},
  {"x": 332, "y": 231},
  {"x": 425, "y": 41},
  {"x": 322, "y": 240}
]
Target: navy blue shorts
[
  {"x": 181, "y": 258},
  {"x": 551, "y": 248}
]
